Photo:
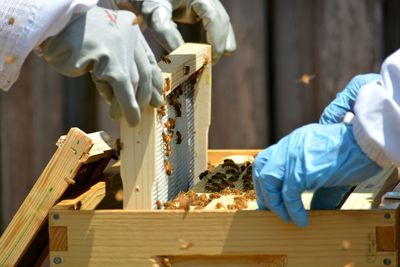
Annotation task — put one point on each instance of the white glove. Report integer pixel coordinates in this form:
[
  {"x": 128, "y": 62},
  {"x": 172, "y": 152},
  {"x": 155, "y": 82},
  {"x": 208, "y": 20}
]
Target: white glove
[
  {"x": 161, "y": 14},
  {"x": 106, "y": 44}
]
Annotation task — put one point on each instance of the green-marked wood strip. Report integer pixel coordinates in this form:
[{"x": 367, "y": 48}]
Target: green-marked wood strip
[{"x": 49, "y": 187}]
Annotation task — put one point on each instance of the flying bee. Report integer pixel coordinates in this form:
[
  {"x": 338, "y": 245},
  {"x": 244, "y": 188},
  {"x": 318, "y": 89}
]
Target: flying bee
[
  {"x": 11, "y": 21},
  {"x": 165, "y": 59},
  {"x": 178, "y": 137},
  {"x": 306, "y": 79},
  {"x": 137, "y": 20},
  {"x": 168, "y": 167}
]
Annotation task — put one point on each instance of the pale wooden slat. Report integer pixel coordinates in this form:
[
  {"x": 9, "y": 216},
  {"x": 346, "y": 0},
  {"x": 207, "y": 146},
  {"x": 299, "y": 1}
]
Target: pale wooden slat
[
  {"x": 86, "y": 201},
  {"x": 367, "y": 195},
  {"x": 202, "y": 113},
  {"x": 124, "y": 238},
  {"x": 215, "y": 156}
]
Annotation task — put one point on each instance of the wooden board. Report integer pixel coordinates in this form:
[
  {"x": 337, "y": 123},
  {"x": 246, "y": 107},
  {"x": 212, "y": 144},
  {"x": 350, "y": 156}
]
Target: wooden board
[
  {"x": 138, "y": 155},
  {"x": 143, "y": 238},
  {"x": 73, "y": 152},
  {"x": 367, "y": 195}
]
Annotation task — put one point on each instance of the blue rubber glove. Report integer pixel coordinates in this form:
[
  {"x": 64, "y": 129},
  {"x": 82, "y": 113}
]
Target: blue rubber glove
[
  {"x": 309, "y": 158},
  {"x": 329, "y": 198},
  {"x": 344, "y": 101}
]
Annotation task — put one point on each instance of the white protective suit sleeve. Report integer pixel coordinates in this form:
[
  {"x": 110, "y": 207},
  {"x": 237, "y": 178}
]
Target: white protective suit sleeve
[
  {"x": 24, "y": 24},
  {"x": 376, "y": 123}
]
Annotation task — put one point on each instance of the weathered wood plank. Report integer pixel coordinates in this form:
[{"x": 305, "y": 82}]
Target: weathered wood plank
[{"x": 240, "y": 101}]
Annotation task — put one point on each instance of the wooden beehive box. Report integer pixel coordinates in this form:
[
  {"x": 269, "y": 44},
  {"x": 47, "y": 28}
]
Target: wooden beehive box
[{"x": 359, "y": 234}]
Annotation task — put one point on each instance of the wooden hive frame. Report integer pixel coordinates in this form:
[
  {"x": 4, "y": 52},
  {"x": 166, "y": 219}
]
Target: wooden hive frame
[{"x": 138, "y": 156}]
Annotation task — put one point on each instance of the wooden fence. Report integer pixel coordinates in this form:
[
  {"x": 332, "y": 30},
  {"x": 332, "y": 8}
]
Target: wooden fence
[{"x": 256, "y": 94}]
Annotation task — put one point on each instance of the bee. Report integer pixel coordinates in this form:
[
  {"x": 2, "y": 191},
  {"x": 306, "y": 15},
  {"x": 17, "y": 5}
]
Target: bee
[
  {"x": 186, "y": 245},
  {"x": 186, "y": 70},
  {"x": 163, "y": 109},
  {"x": 10, "y": 59},
  {"x": 167, "y": 137},
  {"x": 203, "y": 174},
  {"x": 168, "y": 150},
  {"x": 173, "y": 101},
  {"x": 203, "y": 198},
  {"x": 170, "y": 124},
  {"x": 184, "y": 203},
  {"x": 206, "y": 59},
  {"x": 11, "y": 21},
  {"x": 165, "y": 59},
  {"x": 178, "y": 137},
  {"x": 117, "y": 147},
  {"x": 166, "y": 262},
  {"x": 168, "y": 167},
  {"x": 230, "y": 171},
  {"x": 214, "y": 195},
  {"x": 179, "y": 90},
  {"x": 169, "y": 205},
  {"x": 306, "y": 79},
  {"x": 211, "y": 188},
  {"x": 219, "y": 205},
  {"x": 137, "y": 20},
  {"x": 167, "y": 85},
  {"x": 230, "y": 184},
  {"x": 158, "y": 204}
]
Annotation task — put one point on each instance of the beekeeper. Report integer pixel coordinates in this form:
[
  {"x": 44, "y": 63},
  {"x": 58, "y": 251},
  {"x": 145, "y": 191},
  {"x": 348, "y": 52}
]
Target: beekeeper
[
  {"x": 77, "y": 36},
  {"x": 358, "y": 135}
]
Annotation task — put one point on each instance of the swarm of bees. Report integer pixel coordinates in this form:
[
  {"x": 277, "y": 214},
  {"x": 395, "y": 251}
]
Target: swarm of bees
[
  {"x": 186, "y": 200},
  {"x": 231, "y": 173},
  {"x": 219, "y": 183},
  {"x": 170, "y": 123}
]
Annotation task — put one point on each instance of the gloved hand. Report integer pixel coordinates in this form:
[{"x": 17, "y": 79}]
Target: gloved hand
[
  {"x": 309, "y": 158},
  {"x": 106, "y": 44},
  {"x": 331, "y": 197},
  {"x": 161, "y": 14},
  {"x": 344, "y": 101}
]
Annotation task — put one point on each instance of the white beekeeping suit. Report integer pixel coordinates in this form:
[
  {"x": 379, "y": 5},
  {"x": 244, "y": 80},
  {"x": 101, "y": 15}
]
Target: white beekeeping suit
[
  {"x": 24, "y": 24},
  {"x": 377, "y": 115}
]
